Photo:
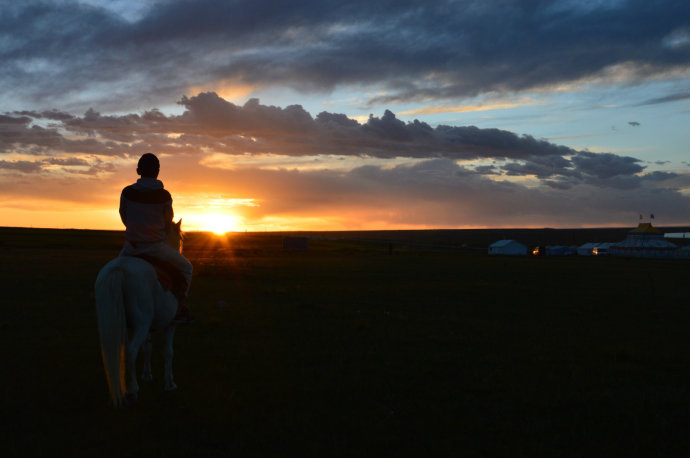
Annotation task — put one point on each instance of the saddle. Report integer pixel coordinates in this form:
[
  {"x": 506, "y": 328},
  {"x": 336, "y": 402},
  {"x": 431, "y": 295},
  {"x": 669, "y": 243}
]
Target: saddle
[{"x": 170, "y": 278}]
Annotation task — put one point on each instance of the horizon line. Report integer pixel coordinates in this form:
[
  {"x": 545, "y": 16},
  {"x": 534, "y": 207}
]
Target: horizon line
[{"x": 350, "y": 230}]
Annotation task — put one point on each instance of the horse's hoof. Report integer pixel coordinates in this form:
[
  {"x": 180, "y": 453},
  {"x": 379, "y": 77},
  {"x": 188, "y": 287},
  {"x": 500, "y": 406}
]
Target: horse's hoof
[{"x": 170, "y": 388}]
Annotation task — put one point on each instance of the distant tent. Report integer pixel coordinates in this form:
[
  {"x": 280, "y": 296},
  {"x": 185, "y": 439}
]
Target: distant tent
[
  {"x": 586, "y": 249},
  {"x": 645, "y": 241},
  {"x": 508, "y": 247},
  {"x": 603, "y": 249}
]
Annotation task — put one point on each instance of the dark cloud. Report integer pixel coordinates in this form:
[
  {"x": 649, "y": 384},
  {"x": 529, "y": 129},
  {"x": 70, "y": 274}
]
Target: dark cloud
[
  {"x": 430, "y": 193},
  {"x": 69, "y": 162},
  {"x": 542, "y": 167},
  {"x": 659, "y": 176},
  {"x": 9, "y": 121},
  {"x": 212, "y": 124},
  {"x": 21, "y": 166},
  {"x": 443, "y": 194},
  {"x": 413, "y": 49},
  {"x": 487, "y": 170},
  {"x": 440, "y": 193},
  {"x": 46, "y": 114},
  {"x": 18, "y": 134},
  {"x": 606, "y": 165},
  {"x": 667, "y": 99}
]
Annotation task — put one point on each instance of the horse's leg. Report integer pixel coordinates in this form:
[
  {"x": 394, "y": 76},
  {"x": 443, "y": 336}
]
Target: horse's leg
[
  {"x": 138, "y": 338},
  {"x": 168, "y": 357},
  {"x": 147, "y": 376}
]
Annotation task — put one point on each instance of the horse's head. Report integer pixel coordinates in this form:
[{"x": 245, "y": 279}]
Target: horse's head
[{"x": 175, "y": 236}]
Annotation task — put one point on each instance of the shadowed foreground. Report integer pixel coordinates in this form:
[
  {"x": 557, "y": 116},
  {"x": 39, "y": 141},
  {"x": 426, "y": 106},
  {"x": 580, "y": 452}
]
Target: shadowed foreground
[{"x": 348, "y": 350}]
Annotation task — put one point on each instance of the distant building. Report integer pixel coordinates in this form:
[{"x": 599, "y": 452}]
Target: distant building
[
  {"x": 508, "y": 247},
  {"x": 645, "y": 241}
]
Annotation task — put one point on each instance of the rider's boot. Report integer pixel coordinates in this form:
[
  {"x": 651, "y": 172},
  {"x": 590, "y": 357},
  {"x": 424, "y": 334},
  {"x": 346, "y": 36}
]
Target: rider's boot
[{"x": 184, "y": 315}]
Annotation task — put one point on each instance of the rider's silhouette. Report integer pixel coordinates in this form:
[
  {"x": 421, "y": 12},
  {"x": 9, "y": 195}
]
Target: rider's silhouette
[{"x": 147, "y": 213}]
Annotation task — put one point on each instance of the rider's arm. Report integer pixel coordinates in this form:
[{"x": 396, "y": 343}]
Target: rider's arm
[
  {"x": 168, "y": 215},
  {"x": 123, "y": 210}
]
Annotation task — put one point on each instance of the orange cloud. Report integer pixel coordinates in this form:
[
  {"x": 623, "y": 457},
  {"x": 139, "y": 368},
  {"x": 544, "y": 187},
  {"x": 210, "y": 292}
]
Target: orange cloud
[
  {"x": 232, "y": 90},
  {"x": 498, "y": 105}
]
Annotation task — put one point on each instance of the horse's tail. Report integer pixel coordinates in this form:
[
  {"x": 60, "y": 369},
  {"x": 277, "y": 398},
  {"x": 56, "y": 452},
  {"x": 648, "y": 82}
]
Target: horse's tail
[{"x": 112, "y": 327}]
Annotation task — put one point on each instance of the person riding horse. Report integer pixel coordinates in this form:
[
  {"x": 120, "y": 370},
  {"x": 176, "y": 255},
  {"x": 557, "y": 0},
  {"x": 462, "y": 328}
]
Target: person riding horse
[{"x": 147, "y": 213}]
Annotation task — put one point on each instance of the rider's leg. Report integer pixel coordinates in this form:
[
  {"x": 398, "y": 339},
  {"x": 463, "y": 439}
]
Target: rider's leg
[
  {"x": 169, "y": 254},
  {"x": 164, "y": 252},
  {"x": 174, "y": 257}
]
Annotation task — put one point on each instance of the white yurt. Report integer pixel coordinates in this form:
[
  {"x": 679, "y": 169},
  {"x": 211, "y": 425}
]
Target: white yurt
[
  {"x": 508, "y": 247},
  {"x": 586, "y": 249},
  {"x": 645, "y": 241},
  {"x": 603, "y": 249}
]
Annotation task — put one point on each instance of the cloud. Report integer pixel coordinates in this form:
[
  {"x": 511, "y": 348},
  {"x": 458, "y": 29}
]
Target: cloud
[
  {"x": 487, "y": 170},
  {"x": 211, "y": 124},
  {"x": 436, "y": 193},
  {"x": 46, "y": 114},
  {"x": 399, "y": 173},
  {"x": 424, "y": 194},
  {"x": 20, "y": 135},
  {"x": 69, "y": 162},
  {"x": 666, "y": 99},
  {"x": 634, "y": 123},
  {"x": 606, "y": 165},
  {"x": 21, "y": 166},
  {"x": 659, "y": 176},
  {"x": 70, "y": 52},
  {"x": 495, "y": 105}
]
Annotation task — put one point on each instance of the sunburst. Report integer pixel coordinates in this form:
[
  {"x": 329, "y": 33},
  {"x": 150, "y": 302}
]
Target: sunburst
[{"x": 220, "y": 223}]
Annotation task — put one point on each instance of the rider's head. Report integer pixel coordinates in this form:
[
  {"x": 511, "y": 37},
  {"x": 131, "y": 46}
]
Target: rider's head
[{"x": 148, "y": 166}]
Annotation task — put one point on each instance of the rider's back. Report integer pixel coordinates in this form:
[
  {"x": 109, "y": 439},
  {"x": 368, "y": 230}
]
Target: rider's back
[{"x": 146, "y": 211}]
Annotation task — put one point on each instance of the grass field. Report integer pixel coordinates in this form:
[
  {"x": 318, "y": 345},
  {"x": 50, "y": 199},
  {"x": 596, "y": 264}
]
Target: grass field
[{"x": 354, "y": 349}]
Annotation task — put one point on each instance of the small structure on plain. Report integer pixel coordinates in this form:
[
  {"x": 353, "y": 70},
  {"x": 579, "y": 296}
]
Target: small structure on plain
[{"x": 508, "y": 247}]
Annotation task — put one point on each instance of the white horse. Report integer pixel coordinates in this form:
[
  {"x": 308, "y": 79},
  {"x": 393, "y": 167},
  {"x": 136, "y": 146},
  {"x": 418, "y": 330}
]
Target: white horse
[{"x": 130, "y": 297}]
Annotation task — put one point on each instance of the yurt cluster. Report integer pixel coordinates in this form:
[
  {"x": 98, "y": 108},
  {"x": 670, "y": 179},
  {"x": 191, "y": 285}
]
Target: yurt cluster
[{"x": 645, "y": 241}]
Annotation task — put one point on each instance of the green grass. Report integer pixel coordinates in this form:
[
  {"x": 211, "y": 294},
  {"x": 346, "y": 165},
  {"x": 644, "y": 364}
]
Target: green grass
[{"x": 345, "y": 350}]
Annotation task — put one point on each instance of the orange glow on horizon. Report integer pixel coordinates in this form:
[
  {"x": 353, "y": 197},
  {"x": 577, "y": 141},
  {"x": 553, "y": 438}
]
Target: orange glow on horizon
[
  {"x": 218, "y": 223},
  {"x": 222, "y": 215}
]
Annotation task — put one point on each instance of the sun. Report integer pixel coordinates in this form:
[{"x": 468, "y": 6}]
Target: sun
[{"x": 220, "y": 223}]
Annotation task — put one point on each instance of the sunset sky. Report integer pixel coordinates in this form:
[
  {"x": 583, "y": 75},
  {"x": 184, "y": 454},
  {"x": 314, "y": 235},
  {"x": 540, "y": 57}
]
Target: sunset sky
[{"x": 323, "y": 115}]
